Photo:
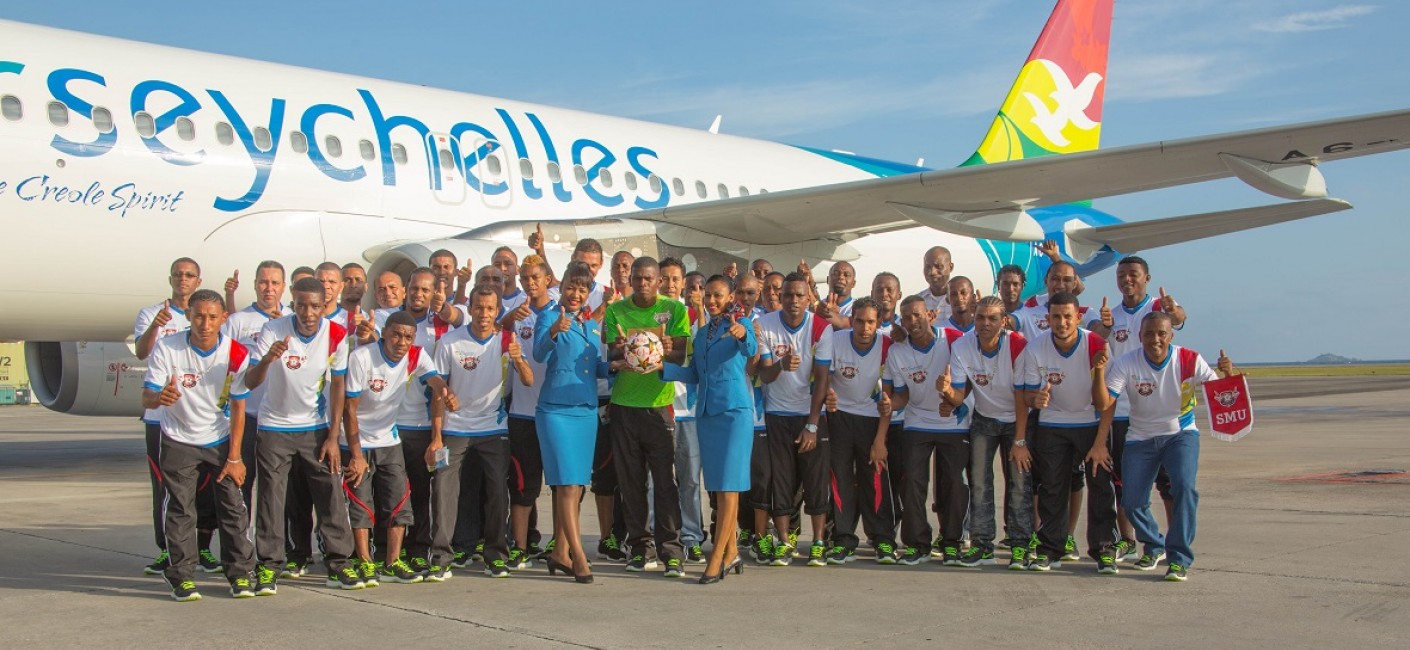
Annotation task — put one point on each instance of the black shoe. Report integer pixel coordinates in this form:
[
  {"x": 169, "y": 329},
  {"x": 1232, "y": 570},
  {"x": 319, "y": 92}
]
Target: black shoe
[
  {"x": 185, "y": 591},
  {"x": 294, "y": 568},
  {"x": 737, "y": 566},
  {"x": 265, "y": 581},
  {"x": 495, "y": 569},
  {"x": 346, "y": 578},
  {"x": 421, "y": 566},
  {"x": 1175, "y": 572},
  {"x": 461, "y": 560},
  {"x": 640, "y": 563},
  {"x": 695, "y": 555},
  {"x": 243, "y": 586},
  {"x": 674, "y": 569},
  {"x": 1106, "y": 564},
  {"x": 912, "y": 556},
  {"x": 437, "y": 573},
  {"x": 158, "y": 566},
  {"x": 208, "y": 562},
  {"x": 611, "y": 549}
]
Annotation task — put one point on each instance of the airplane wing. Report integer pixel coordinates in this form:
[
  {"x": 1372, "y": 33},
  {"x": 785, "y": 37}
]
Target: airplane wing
[{"x": 989, "y": 201}]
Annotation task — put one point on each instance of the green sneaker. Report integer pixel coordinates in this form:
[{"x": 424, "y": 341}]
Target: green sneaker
[
  {"x": 951, "y": 557},
  {"x": 1149, "y": 561},
  {"x": 1175, "y": 573},
  {"x": 792, "y": 541},
  {"x": 158, "y": 565},
  {"x": 185, "y": 592},
  {"x": 1126, "y": 551},
  {"x": 209, "y": 563},
  {"x": 541, "y": 553},
  {"x": 367, "y": 571},
  {"x": 885, "y": 553},
  {"x": 243, "y": 587},
  {"x": 1018, "y": 558},
  {"x": 294, "y": 569},
  {"x": 479, "y": 553},
  {"x": 1032, "y": 544},
  {"x": 976, "y": 556},
  {"x": 461, "y": 560},
  {"x": 674, "y": 568},
  {"x": 400, "y": 573},
  {"x": 912, "y": 556},
  {"x": 783, "y": 555},
  {"x": 440, "y": 573},
  {"x": 493, "y": 569},
  {"x": 817, "y": 554},
  {"x": 839, "y": 555},
  {"x": 611, "y": 549},
  {"x": 1106, "y": 564},
  {"x": 519, "y": 560},
  {"x": 695, "y": 555},
  {"x": 265, "y": 581},
  {"x": 762, "y": 549},
  {"x": 421, "y": 566},
  {"x": 1069, "y": 550}
]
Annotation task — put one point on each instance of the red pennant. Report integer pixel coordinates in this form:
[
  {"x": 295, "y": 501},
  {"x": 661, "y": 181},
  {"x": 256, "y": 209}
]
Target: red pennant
[{"x": 1230, "y": 408}]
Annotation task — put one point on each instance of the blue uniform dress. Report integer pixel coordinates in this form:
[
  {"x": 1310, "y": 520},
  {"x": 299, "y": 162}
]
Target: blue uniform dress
[
  {"x": 567, "y": 408},
  {"x": 724, "y": 402}
]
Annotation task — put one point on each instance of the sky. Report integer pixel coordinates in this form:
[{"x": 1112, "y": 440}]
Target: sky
[{"x": 923, "y": 79}]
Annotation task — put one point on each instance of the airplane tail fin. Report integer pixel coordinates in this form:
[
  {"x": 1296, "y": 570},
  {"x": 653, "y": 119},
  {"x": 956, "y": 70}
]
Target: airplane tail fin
[{"x": 1055, "y": 105}]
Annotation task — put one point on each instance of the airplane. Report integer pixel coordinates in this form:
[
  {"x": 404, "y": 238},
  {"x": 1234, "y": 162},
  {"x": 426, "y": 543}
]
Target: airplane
[{"x": 134, "y": 154}]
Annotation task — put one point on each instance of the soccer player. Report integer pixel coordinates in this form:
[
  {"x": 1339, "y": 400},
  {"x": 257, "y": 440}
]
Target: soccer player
[
  {"x": 746, "y": 294},
  {"x": 526, "y": 458},
  {"x": 374, "y": 467},
  {"x": 244, "y": 327},
  {"x": 363, "y": 324},
  {"x": 1009, "y": 284},
  {"x": 450, "y": 287},
  {"x": 195, "y": 378},
  {"x": 797, "y": 449},
  {"x": 760, "y": 268},
  {"x": 642, "y": 424},
  {"x": 1160, "y": 379},
  {"x": 1032, "y": 319},
  {"x": 390, "y": 291},
  {"x": 1121, "y": 327},
  {"x": 837, "y": 307},
  {"x": 621, "y": 272},
  {"x": 303, "y": 360},
  {"x": 857, "y": 433},
  {"x": 935, "y": 424},
  {"x": 772, "y": 297},
  {"x": 153, "y": 323},
  {"x": 936, "y": 267},
  {"x": 687, "y": 440},
  {"x": 983, "y": 365},
  {"x": 960, "y": 301},
  {"x": 473, "y": 359},
  {"x": 1064, "y": 378}
]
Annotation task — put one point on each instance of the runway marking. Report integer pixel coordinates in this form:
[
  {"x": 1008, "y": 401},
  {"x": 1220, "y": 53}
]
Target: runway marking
[{"x": 1369, "y": 476}]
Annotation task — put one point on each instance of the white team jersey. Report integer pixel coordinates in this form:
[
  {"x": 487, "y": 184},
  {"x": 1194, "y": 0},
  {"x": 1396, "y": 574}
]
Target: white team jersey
[
  {"x": 684, "y": 403},
  {"x": 524, "y": 400},
  {"x": 207, "y": 381},
  {"x": 856, "y": 374},
  {"x": 915, "y": 371},
  {"x": 791, "y": 393},
  {"x": 512, "y": 301},
  {"x": 883, "y": 329},
  {"x": 1162, "y": 395},
  {"x": 379, "y": 317},
  {"x": 940, "y": 304},
  {"x": 296, "y": 385},
  {"x": 475, "y": 369},
  {"x": 1033, "y": 319},
  {"x": 992, "y": 378},
  {"x": 596, "y": 297},
  {"x": 415, "y": 411},
  {"x": 244, "y": 327},
  {"x": 379, "y": 385},
  {"x": 1069, "y": 377},
  {"x": 1126, "y": 336},
  {"x": 846, "y": 307},
  {"x": 178, "y": 323},
  {"x": 950, "y": 323}
]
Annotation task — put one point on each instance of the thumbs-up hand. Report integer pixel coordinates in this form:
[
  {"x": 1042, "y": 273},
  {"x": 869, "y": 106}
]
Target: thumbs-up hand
[
  {"x": 163, "y": 315},
  {"x": 1226, "y": 367},
  {"x": 449, "y": 399},
  {"x": 1107, "y": 320},
  {"x": 1042, "y": 396},
  {"x": 943, "y": 385},
  {"x": 883, "y": 405},
  {"x": 562, "y": 324},
  {"x": 278, "y": 349},
  {"x": 1100, "y": 360},
  {"x": 830, "y": 402},
  {"x": 735, "y": 329},
  {"x": 536, "y": 239},
  {"x": 438, "y": 297},
  {"x": 791, "y": 360},
  {"x": 1167, "y": 303},
  {"x": 516, "y": 350},
  {"x": 609, "y": 295},
  {"x": 169, "y": 393},
  {"x": 366, "y": 327},
  {"x": 731, "y": 270},
  {"x": 464, "y": 273},
  {"x": 668, "y": 343},
  {"x": 233, "y": 282}
]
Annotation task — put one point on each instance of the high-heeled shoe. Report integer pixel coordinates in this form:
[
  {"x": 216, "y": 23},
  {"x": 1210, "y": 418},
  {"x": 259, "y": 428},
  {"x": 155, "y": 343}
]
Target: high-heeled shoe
[
  {"x": 737, "y": 566},
  {"x": 554, "y": 566}
]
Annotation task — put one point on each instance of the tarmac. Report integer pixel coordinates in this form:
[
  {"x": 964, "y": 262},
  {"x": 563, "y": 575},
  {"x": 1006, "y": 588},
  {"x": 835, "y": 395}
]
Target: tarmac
[{"x": 1298, "y": 547}]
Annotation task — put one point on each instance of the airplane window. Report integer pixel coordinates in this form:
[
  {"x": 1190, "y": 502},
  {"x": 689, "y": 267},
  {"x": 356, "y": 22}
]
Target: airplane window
[
  {"x": 399, "y": 154},
  {"x": 185, "y": 128},
  {"x": 631, "y": 180},
  {"x": 263, "y": 140},
  {"x": 11, "y": 107},
  {"x": 724, "y": 191},
  {"x": 655, "y": 182},
  {"x": 606, "y": 177},
  {"x": 678, "y": 186},
  {"x": 298, "y": 141},
  {"x": 145, "y": 126},
  {"x": 447, "y": 160},
  {"x": 493, "y": 165},
  {"x": 333, "y": 146},
  {"x": 700, "y": 189},
  {"x": 223, "y": 133},
  {"x": 580, "y": 174},
  {"x": 364, "y": 147},
  {"x": 102, "y": 119},
  {"x": 58, "y": 114},
  {"x": 743, "y": 191},
  {"x": 554, "y": 174},
  {"x": 526, "y": 168}
]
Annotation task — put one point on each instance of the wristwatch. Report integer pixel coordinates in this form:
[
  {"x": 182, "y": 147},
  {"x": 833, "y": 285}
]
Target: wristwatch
[
  {"x": 810, "y": 428},
  {"x": 1021, "y": 443}
]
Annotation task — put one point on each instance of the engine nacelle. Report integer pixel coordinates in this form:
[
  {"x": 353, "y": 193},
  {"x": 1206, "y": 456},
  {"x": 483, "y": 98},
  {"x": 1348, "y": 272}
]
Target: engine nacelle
[{"x": 86, "y": 377}]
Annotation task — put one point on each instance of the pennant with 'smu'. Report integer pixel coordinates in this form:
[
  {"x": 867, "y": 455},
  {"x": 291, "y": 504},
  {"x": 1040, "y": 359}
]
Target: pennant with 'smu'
[{"x": 1230, "y": 407}]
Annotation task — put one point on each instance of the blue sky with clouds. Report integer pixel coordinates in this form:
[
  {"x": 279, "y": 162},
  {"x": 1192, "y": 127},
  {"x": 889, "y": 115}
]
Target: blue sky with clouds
[{"x": 906, "y": 80}]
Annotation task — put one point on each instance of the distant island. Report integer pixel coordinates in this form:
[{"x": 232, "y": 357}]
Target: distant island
[{"x": 1330, "y": 359}]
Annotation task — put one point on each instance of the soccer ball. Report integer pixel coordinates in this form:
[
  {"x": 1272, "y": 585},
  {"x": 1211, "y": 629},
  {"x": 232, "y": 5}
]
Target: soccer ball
[{"x": 643, "y": 350}]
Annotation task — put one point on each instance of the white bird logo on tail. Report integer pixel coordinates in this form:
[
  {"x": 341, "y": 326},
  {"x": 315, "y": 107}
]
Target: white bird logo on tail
[{"x": 1071, "y": 103}]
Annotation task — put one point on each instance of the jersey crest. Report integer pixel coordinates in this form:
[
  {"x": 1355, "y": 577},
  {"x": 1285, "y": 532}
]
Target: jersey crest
[
  {"x": 377, "y": 385},
  {"x": 293, "y": 362}
]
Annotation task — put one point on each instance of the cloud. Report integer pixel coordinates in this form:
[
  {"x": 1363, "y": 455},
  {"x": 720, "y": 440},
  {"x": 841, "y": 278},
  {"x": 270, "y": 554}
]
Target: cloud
[
  {"x": 1315, "y": 21},
  {"x": 1167, "y": 76}
]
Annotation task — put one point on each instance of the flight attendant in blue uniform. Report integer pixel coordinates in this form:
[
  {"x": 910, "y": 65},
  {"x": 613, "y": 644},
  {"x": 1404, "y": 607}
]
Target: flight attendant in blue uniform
[
  {"x": 569, "y": 342},
  {"x": 724, "y": 415}
]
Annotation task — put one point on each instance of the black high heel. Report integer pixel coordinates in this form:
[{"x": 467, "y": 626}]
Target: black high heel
[
  {"x": 554, "y": 567},
  {"x": 737, "y": 566}
]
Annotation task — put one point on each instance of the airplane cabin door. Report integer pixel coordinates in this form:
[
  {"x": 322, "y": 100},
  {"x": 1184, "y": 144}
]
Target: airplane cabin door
[
  {"x": 492, "y": 170},
  {"x": 447, "y": 170}
]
